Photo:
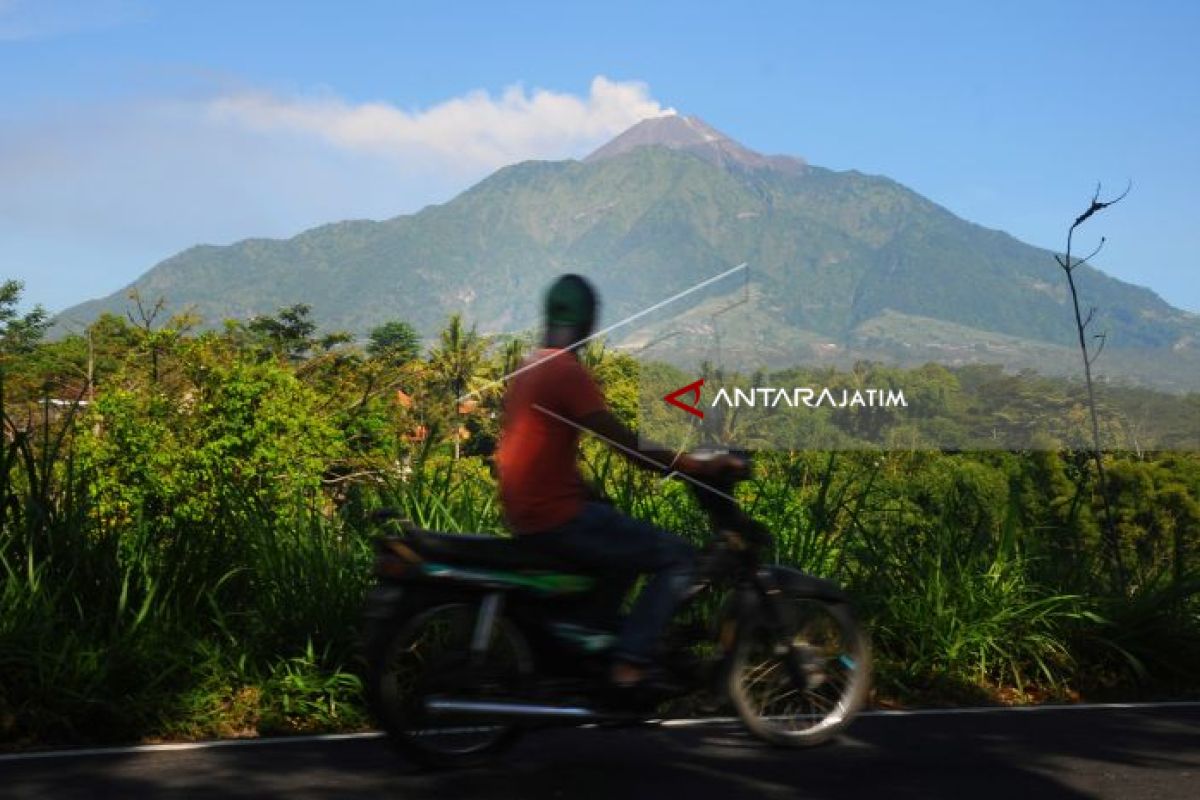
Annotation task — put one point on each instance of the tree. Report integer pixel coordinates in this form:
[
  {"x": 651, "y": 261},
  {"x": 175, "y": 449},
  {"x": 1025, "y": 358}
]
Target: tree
[
  {"x": 1082, "y": 322},
  {"x": 512, "y": 354},
  {"x": 396, "y": 342},
  {"x": 289, "y": 332},
  {"x": 156, "y": 342},
  {"x": 235, "y": 429},
  {"x": 455, "y": 364},
  {"x": 74, "y": 364},
  {"x": 19, "y": 333}
]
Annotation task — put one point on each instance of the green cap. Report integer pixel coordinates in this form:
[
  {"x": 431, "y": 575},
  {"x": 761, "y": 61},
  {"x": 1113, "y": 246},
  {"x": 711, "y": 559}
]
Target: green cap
[{"x": 570, "y": 301}]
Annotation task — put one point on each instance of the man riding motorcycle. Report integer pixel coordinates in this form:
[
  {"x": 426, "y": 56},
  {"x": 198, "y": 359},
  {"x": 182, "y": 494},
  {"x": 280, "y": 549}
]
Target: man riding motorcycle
[
  {"x": 473, "y": 640},
  {"x": 547, "y": 404}
]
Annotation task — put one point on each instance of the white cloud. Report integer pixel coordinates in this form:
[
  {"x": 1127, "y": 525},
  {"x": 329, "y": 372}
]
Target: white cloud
[
  {"x": 473, "y": 131},
  {"x": 95, "y": 194}
]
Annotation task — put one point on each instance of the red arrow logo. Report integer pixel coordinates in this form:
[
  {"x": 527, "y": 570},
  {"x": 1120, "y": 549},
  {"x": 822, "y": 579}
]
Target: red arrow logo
[{"x": 692, "y": 389}]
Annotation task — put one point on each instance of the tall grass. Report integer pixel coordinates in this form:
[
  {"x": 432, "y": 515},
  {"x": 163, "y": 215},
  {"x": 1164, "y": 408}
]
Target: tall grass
[
  {"x": 954, "y": 590},
  {"x": 445, "y": 494},
  {"x": 121, "y": 631},
  {"x": 963, "y": 611}
]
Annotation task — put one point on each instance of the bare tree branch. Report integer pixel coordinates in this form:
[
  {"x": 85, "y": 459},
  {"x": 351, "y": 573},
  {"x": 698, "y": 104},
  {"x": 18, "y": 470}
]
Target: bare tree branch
[
  {"x": 1080, "y": 261},
  {"x": 1089, "y": 256},
  {"x": 1099, "y": 205},
  {"x": 145, "y": 317},
  {"x": 1068, "y": 266}
]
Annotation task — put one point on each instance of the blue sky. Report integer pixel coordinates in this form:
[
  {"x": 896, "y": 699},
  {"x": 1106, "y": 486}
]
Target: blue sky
[{"x": 131, "y": 130}]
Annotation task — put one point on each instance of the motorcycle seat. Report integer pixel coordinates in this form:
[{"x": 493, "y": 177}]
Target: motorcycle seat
[{"x": 482, "y": 550}]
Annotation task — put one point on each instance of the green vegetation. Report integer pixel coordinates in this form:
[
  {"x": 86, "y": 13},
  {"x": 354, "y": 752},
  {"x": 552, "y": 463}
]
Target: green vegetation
[{"x": 184, "y": 548}]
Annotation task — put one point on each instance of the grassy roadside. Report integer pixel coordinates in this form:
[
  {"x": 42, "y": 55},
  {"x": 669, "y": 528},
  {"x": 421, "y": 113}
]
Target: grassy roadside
[{"x": 117, "y": 639}]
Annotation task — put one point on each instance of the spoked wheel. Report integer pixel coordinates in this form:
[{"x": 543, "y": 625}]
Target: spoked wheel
[
  {"x": 800, "y": 684},
  {"x": 429, "y": 655}
]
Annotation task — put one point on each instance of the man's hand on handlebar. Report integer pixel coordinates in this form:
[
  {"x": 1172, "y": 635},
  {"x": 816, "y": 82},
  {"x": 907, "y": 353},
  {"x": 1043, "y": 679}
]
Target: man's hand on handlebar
[{"x": 712, "y": 466}]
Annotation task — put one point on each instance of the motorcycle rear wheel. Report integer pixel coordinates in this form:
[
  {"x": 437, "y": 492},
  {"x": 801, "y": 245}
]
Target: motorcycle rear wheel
[
  {"x": 815, "y": 697},
  {"x": 428, "y": 654}
]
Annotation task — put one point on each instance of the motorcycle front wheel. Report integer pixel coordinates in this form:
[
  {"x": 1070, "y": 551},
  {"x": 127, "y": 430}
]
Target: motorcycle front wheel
[{"x": 800, "y": 681}]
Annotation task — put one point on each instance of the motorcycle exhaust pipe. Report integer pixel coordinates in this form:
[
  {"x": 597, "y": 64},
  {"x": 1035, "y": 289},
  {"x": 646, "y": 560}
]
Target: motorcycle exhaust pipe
[{"x": 451, "y": 707}]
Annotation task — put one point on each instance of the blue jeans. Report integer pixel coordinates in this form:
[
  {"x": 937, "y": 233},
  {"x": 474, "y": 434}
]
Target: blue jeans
[{"x": 616, "y": 549}]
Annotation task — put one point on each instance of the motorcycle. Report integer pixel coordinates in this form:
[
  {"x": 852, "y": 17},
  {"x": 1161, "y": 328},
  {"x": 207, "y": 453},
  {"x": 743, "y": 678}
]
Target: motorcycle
[{"x": 469, "y": 641}]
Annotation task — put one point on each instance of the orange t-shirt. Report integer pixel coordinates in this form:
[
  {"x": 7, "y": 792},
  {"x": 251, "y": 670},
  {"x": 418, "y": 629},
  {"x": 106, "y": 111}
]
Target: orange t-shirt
[{"x": 540, "y": 484}]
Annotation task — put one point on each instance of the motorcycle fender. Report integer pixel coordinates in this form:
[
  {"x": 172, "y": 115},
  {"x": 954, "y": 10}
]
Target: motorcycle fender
[
  {"x": 745, "y": 604},
  {"x": 796, "y": 582},
  {"x": 384, "y": 599}
]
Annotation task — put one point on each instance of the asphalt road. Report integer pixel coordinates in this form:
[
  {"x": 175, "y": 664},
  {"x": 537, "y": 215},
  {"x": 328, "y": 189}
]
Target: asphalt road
[{"x": 1098, "y": 753}]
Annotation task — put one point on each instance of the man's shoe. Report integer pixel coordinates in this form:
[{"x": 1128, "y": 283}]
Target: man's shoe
[{"x": 654, "y": 682}]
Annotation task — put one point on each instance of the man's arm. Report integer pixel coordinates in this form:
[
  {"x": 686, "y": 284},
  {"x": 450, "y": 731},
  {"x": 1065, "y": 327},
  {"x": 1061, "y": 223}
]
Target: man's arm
[{"x": 654, "y": 457}]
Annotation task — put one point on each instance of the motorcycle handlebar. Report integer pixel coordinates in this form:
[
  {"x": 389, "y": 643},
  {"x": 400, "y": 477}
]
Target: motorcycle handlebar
[
  {"x": 738, "y": 466},
  {"x": 714, "y": 493}
]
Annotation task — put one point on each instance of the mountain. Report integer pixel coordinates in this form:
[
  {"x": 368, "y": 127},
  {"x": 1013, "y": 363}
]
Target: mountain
[
  {"x": 693, "y": 135},
  {"x": 843, "y": 265}
]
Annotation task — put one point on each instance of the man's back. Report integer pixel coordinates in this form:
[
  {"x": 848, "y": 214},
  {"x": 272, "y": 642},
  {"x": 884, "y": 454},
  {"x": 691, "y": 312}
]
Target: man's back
[{"x": 540, "y": 484}]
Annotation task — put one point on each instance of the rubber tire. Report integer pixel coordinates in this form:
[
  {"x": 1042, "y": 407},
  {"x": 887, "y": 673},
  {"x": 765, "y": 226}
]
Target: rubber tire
[
  {"x": 380, "y": 636},
  {"x": 857, "y": 696}
]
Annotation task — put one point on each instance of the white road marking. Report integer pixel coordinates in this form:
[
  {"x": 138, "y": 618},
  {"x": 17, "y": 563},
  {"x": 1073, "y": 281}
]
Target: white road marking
[
  {"x": 180, "y": 746},
  {"x": 667, "y": 723},
  {"x": 948, "y": 712},
  {"x": 930, "y": 712}
]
